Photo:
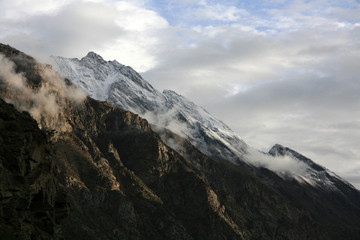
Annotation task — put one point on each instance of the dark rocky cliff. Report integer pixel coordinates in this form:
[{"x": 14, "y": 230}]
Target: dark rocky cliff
[{"x": 31, "y": 201}]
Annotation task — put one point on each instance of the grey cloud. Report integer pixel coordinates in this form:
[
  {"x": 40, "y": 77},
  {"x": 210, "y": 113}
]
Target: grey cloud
[
  {"x": 351, "y": 14},
  {"x": 213, "y": 63},
  {"x": 72, "y": 31},
  {"x": 282, "y": 164},
  {"x": 310, "y": 115},
  {"x": 237, "y": 58},
  {"x": 354, "y": 179},
  {"x": 299, "y": 89}
]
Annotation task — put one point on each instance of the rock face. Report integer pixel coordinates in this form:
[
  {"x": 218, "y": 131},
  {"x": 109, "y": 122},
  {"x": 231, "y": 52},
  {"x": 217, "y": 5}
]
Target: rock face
[
  {"x": 138, "y": 186},
  {"x": 103, "y": 173},
  {"x": 31, "y": 202}
]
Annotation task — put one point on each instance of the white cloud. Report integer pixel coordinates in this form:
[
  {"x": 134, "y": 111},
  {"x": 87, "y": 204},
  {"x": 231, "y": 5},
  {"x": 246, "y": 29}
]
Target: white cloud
[
  {"x": 285, "y": 165},
  {"x": 23, "y": 9},
  {"x": 219, "y": 12},
  {"x": 117, "y": 30},
  {"x": 134, "y": 18}
]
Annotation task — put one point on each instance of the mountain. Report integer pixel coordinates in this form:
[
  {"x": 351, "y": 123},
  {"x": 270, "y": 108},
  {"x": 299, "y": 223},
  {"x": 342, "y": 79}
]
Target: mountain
[
  {"x": 122, "y": 86},
  {"x": 316, "y": 175},
  {"x": 125, "y": 88},
  {"x": 147, "y": 193},
  {"x": 77, "y": 168}
]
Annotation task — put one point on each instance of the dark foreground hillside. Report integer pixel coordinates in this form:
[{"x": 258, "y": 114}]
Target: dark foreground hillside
[{"x": 102, "y": 173}]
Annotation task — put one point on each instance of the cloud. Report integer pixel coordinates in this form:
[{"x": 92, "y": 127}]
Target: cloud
[
  {"x": 43, "y": 103},
  {"x": 72, "y": 30},
  {"x": 319, "y": 117},
  {"x": 231, "y": 57},
  {"x": 117, "y": 30},
  {"x": 354, "y": 179},
  {"x": 24, "y": 9},
  {"x": 218, "y": 12},
  {"x": 283, "y": 165}
]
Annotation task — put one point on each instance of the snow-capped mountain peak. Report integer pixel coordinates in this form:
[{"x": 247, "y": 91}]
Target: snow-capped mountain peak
[
  {"x": 125, "y": 88},
  {"x": 97, "y": 76},
  {"x": 314, "y": 174},
  {"x": 95, "y": 56}
]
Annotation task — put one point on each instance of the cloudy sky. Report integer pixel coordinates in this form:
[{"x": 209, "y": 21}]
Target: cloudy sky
[{"x": 276, "y": 71}]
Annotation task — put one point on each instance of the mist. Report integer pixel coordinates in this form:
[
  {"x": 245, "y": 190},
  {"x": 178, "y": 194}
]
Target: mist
[
  {"x": 282, "y": 165},
  {"x": 45, "y": 103}
]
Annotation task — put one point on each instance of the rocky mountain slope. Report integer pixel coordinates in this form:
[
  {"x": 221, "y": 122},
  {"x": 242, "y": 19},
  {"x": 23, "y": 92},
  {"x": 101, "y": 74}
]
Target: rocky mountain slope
[
  {"x": 31, "y": 203},
  {"x": 125, "y": 88},
  {"x": 103, "y": 173}
]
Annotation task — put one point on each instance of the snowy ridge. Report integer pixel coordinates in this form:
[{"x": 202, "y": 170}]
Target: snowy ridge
[
  {"x": 313, "y": 174},
  {"x": 125, "y": 88}
]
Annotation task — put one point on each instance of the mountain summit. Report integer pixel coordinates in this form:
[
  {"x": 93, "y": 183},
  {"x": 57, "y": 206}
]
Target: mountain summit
[
  {"x": 125, "y": 88},
  {"x": 94, "y": 55}
]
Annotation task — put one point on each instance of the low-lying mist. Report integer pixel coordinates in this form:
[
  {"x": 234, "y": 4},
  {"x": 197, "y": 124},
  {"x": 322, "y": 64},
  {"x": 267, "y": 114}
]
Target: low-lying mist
[
  {"x": 283, "y": 165},
  {"x": 44, "y": 103}
]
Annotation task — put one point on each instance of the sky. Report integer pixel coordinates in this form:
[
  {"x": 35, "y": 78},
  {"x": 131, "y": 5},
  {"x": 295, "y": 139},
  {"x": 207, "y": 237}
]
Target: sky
[{"x": 275, "y": 71}]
